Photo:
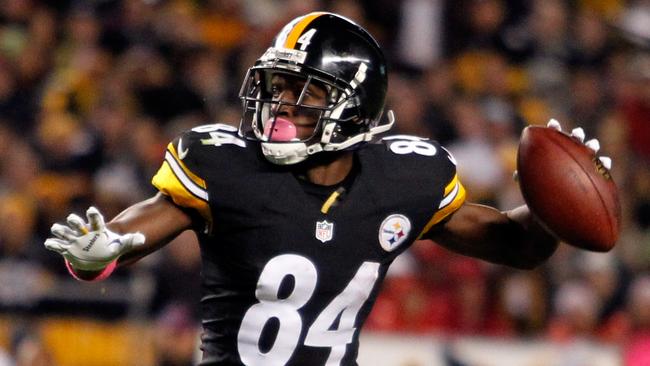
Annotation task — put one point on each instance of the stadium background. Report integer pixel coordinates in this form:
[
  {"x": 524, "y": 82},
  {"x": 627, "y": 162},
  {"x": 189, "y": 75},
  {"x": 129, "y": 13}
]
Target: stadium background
[{"x": 91, "y": 92}]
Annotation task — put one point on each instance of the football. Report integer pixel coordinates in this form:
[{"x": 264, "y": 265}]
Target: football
[{"x": 567, "y": 187}]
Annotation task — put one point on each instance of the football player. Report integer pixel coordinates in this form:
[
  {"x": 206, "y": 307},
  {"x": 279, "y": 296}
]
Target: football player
[{"x": 301, "y": 210}]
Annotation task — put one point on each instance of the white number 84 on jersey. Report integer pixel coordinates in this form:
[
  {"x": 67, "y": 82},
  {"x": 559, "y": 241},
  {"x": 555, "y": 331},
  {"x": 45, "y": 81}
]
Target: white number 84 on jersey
[{"x": 320, "y": 333}]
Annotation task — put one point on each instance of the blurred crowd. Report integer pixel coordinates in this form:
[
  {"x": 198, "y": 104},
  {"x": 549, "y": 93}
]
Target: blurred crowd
[{"x": 91, "y": 91}]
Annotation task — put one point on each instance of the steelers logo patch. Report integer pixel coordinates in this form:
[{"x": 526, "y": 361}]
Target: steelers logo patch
[{"x": 393, "y": 231}]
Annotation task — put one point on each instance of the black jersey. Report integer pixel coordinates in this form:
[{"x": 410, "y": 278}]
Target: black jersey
[{"x": 288, "y": 278}]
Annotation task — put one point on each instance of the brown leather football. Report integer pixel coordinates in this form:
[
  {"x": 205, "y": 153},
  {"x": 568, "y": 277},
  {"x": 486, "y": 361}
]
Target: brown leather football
[{"x": 567, "y": 187}]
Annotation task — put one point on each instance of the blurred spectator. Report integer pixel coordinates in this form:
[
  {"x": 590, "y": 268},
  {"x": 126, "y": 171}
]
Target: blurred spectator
[
  {"x": 4, "y": 359},
  {"x": 590, "y": 101},
  {"x": 351, "y": 10},
  {"x": 474, "y": 311},
  {"x": 176, "y": 337},
  {"x": 592, "y": 305},
  {"x": 222, "y": 24},
  {"x": 547, "y": 68},
  {"x": 29, "y": 350},
  {"x": 478, "y": 163},
  {"x": 419, "y": 36},
  {"x": 66, "y": 145},
  {"x": 445, "y": 293},
  {"x": 575, "y": 313},
  {"x": 635, "y": 103},
  {"x": 416, "y": 302},
  {"x": 439, "y": 90},
  {"x": 633, "y": 21},
  {"x": 591, "y": 42},
  {"x": 608, "y": 279},
  {"x": 177, "y": 276},
  {"x": 24, "y": 278},
  {"x": 490, "y": 25},
  {"x": 161, "y": 92},
  {"x": 205, "y": 74},
  {"x": 637, "y": 347},
  {"x": 406, "y": 99},
  {"x": 523, "y": 302},
  {"x": 27, "y": 33}
]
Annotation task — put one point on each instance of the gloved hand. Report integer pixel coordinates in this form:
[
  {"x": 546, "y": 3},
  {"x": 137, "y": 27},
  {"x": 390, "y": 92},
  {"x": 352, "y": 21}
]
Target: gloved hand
[
  {"x": 578, "y": 134},
  {"x": 90, "y": 246}
]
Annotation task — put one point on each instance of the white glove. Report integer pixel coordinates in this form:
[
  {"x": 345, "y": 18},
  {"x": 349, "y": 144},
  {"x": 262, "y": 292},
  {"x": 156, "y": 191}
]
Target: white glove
[
  {"x": 579, "y": 134},
  {"x": 90, "y": 246}
]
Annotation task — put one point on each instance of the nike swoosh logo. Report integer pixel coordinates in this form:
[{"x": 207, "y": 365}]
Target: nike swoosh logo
[
  {"x": 182, "y": 153},
  {"x": 115, "y": 241}
]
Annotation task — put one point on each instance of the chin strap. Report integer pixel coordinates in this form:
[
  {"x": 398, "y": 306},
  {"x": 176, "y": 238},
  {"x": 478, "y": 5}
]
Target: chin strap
[
  {"x": 363, "y": 137},
  {"x": 390, "y": 116}
]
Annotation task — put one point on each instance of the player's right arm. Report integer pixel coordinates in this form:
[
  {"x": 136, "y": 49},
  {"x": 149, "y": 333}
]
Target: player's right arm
[
  {"x": 93, "y": 249},
  {"x": 157, "y": 218}
]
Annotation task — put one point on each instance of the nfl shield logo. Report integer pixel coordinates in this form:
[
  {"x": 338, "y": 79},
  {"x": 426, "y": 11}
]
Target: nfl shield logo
[{"x": 324, "y": 231}]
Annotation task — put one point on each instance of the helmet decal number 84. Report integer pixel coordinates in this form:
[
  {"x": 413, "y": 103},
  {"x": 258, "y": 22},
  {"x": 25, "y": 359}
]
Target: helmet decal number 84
[{"x": 404, "y": 144}]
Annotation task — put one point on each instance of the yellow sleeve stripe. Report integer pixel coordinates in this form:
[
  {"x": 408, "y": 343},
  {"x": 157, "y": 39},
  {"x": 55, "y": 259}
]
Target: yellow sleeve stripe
[
  {"x": 451, "y": 186},
  {"x": 170, "y": 185},
  {"x": 453, "y": 199},
  {"x": 195, "y": 178},
  {"x": 295, "y": 33},
  {"x": 184, "y": 179}
]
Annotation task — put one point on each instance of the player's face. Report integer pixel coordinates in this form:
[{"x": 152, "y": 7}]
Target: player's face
[{"x": 293, "y": 90}]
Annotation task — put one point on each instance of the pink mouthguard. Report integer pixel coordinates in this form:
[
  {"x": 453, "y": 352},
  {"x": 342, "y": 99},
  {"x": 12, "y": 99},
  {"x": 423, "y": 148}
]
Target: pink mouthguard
[{"x": 283, "y": 130}]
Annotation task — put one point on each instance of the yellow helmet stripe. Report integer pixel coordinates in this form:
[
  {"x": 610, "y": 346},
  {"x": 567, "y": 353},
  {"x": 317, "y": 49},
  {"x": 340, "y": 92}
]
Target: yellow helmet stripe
[{"x": 297, "y": 30}]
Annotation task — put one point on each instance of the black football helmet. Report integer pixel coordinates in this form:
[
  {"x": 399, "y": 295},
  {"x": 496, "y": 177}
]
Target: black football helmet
[{"x": 338, "y": 56}]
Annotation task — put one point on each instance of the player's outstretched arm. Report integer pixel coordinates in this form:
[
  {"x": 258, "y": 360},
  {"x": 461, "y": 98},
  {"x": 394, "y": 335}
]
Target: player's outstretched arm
[
  {"x": 513, "y": 238},
  {"x": 92, "y": 248},
  {"x": 157, "y": 218}
]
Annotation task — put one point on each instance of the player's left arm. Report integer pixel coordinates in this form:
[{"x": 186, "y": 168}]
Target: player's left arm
[{"x": 513, "y": 238}]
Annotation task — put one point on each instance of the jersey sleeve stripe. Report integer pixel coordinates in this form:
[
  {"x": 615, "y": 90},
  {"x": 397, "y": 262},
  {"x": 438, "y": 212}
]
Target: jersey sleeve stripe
[
  {"x": 454, "y": 198},
  {"x": 195, "y": 178},
  {"x": 451, "y": 190},
  {"x": 169, "y": 184},
  {"x": 297, "y": 30},
  {"x": 184, "y": 179}
]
